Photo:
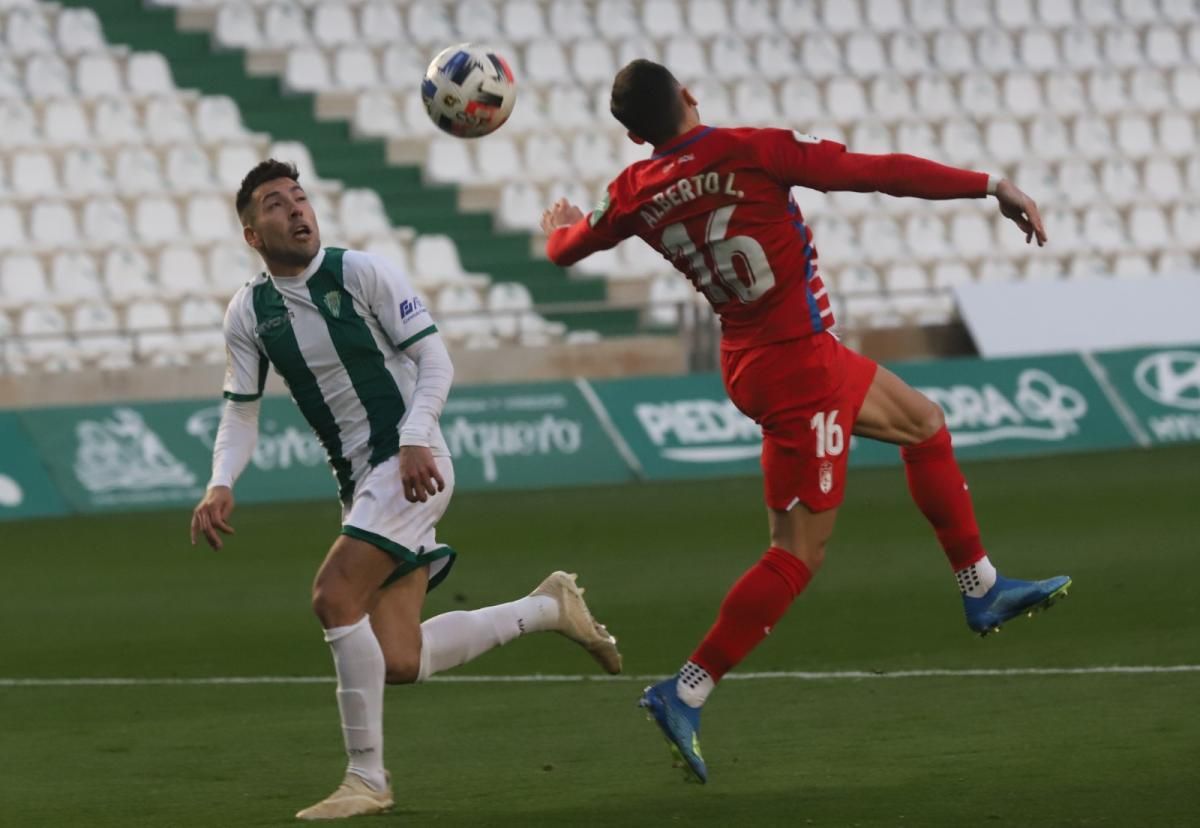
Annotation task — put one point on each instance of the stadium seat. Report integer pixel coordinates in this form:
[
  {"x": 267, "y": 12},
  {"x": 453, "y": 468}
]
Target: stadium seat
[
  {"x": 73, "y": 276},
  {"x": 796, "y": 17},
  {"x": 1175, "y": 263},
  {"x": 147, "y": 73},
  {"x": 181, "y": 273},
  {"x": 117, "y": 122},
  {"x": 979, "y": 95},
  {"x": 380, "y": 23},
  {"x": 21, "y": 125},
  {"x": 1080, "y": 49},
  {"x": 1042, "y": 268},
  {"x": 377, "y": 114},
  {"x": 34, "y": 174},
  {"x": 1176, "y": 134},
  {"x": 506, "y": 303},
  {"x": 355, "y": 68},
  {"x": 477, "y": 20},
  {"x": 155, "y": 341},
  {"x": 429, "y": 23},
  {"x": 285, "y": 24},
  {"x": 334, "y": 24},
  {"x": 572, "y": 19},
  {"x": 105, "y": 222},
  {"x": 953, "y": 52},
  {"x": 230, "y": 266},
  {"x": 1148, "y": 90},
  {"x": 157, "y": 220},
  {"x": 65, "y": 124},
  {"x": 22, "y": 281},
  {"x": 46, "y": 344},
  {"x": 168, "y": 122},
  {"x": 52, "y": 225},
  {"x": 47, "y": 76},
  {"x": 127, "y": 275},
  {"x": 636, "y": 46},
  {"x": 1038, "y": 50},
  {"x": 996, "y": 52},
  {"x": 754, "y": 103},
  {"x": 307, "y": 71},
  {"x": 949, "y": 274},
  {"x": 685, "y": 55},
  {"x": 668, "y": 293},
  {"x": 523, "y": 21},
  {"x": 449, "y": 161},
  {"x": 820, "y": 55},
  {"x": 77, "y": 31},
  {"x": 237, "y": 26},
  {"x": 97, "y": 75},
  {"x": 592, "y": 61},
  {"x": 12, "y": 227}
]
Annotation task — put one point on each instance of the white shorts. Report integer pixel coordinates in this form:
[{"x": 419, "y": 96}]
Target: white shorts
[{"x": 380, "y": 515}]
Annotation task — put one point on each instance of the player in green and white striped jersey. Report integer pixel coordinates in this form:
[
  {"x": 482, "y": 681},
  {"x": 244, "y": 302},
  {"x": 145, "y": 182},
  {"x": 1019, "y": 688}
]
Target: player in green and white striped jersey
[{"x": 364, "y": 363}]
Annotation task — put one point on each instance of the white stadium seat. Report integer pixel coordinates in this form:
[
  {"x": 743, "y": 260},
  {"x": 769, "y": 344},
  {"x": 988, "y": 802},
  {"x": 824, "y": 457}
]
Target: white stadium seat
[
  {"x": 521, "y": 205},
  {"x": 210, "y": 218},
  {"x": 355, "y": 68},
  {"x": 477, "y": 20},
  {"x": 117, "y": 122},
  {"x": 285, "y": 25},
  {"x": 157, "y": 220},
  {"x": 52, "y": 225},
  {"x": 74, "y": 276},
  {"x": 592, "y": 61},
  {"x": 65, "y": 124},
  {"x": 22, "y": 280},
  {"x": 380, "y": 23},
  {"x": 523, "y": 21},
  {"x": 429, "y": 23},
  {"x": 168, "y": 122},
  {"x": 181, "y": 272},
  {"x": 237, "y": 26},
  {"x": 78, "y": 31},
  {"x": 147, "y": 73},
  {"x": 28, "y": 32},
  {"x": 436, "y": 258},
  {"x": 97, "y": 75},
  {"x": 48, "y": 76},
  {"x": 105, "y": 222},
  {"x": 230, "y": 266},
  {"x": 334, "y": 24},
  {"x": 307, "y": 71},
  {"x": 20, "y": 125},
  {"x": 572, "y": 19}
]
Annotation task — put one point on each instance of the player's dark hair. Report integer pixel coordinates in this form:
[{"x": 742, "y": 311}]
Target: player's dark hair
[
  {"x": 263, "y": 172},
  {"x": 645, "y": 98}
]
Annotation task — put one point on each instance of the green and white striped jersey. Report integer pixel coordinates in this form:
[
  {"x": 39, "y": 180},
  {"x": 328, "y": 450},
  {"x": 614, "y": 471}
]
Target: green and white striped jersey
[{"x": 336, "y": 334}]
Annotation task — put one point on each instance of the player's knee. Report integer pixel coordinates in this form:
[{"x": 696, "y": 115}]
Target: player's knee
[
  {"x": 332, "y": 609},
  {"x": 929, "y": 421},
  {"x": 403, "y": 669},
  {"x": 812, "y": 554}
]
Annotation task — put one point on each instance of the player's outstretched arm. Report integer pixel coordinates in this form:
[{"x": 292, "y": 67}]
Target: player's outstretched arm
[
  {"x": 1022, "y": 211},
  {"x": 572, "y": 235},
  {"x": 232, "y": 449}
]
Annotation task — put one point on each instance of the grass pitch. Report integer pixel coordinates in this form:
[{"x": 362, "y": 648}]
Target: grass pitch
[{"x": 127, "y": 597}]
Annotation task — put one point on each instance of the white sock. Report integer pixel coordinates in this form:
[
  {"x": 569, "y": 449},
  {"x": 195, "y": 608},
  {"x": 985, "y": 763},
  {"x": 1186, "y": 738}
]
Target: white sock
[
  {"x": 694, "y": 684},
  {"x": 455, "y": 638},
  {"x": 976, "y": 579},
  {"x": 360, "y": 671}
]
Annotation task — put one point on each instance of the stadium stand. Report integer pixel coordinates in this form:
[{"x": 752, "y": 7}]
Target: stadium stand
[{"x": 114, "y": 182}]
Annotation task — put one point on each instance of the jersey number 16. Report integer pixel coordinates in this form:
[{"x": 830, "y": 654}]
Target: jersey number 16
[{"x": 720, "y": 267}]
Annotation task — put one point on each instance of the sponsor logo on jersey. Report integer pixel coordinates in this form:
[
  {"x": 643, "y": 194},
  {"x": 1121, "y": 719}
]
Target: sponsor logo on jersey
[
  {"x": 410, "y": 308},
  {"x": 805, "y": 138},
  {"x": 825, "y": 477},
  {"x": 271, "y": 323},
  {"x": 1041, "y": 408},
  {"x": 1171, "y": 378}
]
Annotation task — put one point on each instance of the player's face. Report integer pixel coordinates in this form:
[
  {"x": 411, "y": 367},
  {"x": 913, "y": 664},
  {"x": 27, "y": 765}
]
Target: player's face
[{"x": 283, "y": 227}]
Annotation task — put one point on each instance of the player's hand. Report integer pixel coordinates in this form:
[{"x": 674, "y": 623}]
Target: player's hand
[
  {"x": 1022, "y": 210},
  {"x": 419, "y": 474},
  {"x": 562, "y": 214},
  {"x": 212, "y": 516}
]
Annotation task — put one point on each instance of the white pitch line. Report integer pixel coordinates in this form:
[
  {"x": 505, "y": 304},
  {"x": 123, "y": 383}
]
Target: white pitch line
[{"x": 539, "y": 678}]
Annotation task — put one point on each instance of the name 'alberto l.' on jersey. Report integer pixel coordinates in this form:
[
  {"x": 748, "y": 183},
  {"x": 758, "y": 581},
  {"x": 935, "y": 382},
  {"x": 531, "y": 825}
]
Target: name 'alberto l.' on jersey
[
  {"x": 717, "y": 204},
  {"x": 336, "y": 334}
]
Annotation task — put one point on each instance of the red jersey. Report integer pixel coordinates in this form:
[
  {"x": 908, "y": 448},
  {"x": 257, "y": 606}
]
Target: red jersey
[{"x": 717, "y": 204}]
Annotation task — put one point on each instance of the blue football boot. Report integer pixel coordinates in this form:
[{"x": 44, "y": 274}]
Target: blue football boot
[
  {"x": 1009, "y": 598},
  {"x": 680, "y": 723}
]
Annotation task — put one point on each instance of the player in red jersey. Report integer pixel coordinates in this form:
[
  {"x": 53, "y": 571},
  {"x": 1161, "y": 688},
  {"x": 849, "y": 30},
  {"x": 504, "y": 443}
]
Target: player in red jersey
[{"x": 717, "y": 203}]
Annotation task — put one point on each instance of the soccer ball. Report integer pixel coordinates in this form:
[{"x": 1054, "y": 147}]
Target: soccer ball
[{"x": 469, "y": 91}]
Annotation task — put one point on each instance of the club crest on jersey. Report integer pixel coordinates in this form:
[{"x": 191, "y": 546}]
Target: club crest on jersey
[
  {"x": 410, "y": 308},
  {"x": 333, "y": 301},
  {"x": 825, "y": 477}
]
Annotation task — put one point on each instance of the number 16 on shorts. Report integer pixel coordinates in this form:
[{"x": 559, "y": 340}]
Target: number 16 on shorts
[{"x": 831, "y": 441}]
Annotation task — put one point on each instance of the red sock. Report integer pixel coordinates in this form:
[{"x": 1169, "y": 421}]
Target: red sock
[
  {"x": 758, "y": 600},
  {"x": 940, "y": 492}
]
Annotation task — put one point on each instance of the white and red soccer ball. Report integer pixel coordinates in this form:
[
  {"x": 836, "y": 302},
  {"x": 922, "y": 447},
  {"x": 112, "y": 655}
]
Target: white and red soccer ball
[{"x": 469, "y": 90}]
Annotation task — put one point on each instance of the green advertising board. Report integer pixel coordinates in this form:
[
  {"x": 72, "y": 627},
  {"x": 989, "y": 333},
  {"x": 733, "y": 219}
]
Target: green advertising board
[
  {"x": 1159, "y": 388},
  {"x": 685, "y": 427},
  {"x": 26, "y": 490},
  {"x": 530, "y": 436},
  {"x": 545, "y": 435}
]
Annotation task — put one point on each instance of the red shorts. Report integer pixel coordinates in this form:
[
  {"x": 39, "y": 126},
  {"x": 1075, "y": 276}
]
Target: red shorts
[{"x": 806, "y": 395}]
